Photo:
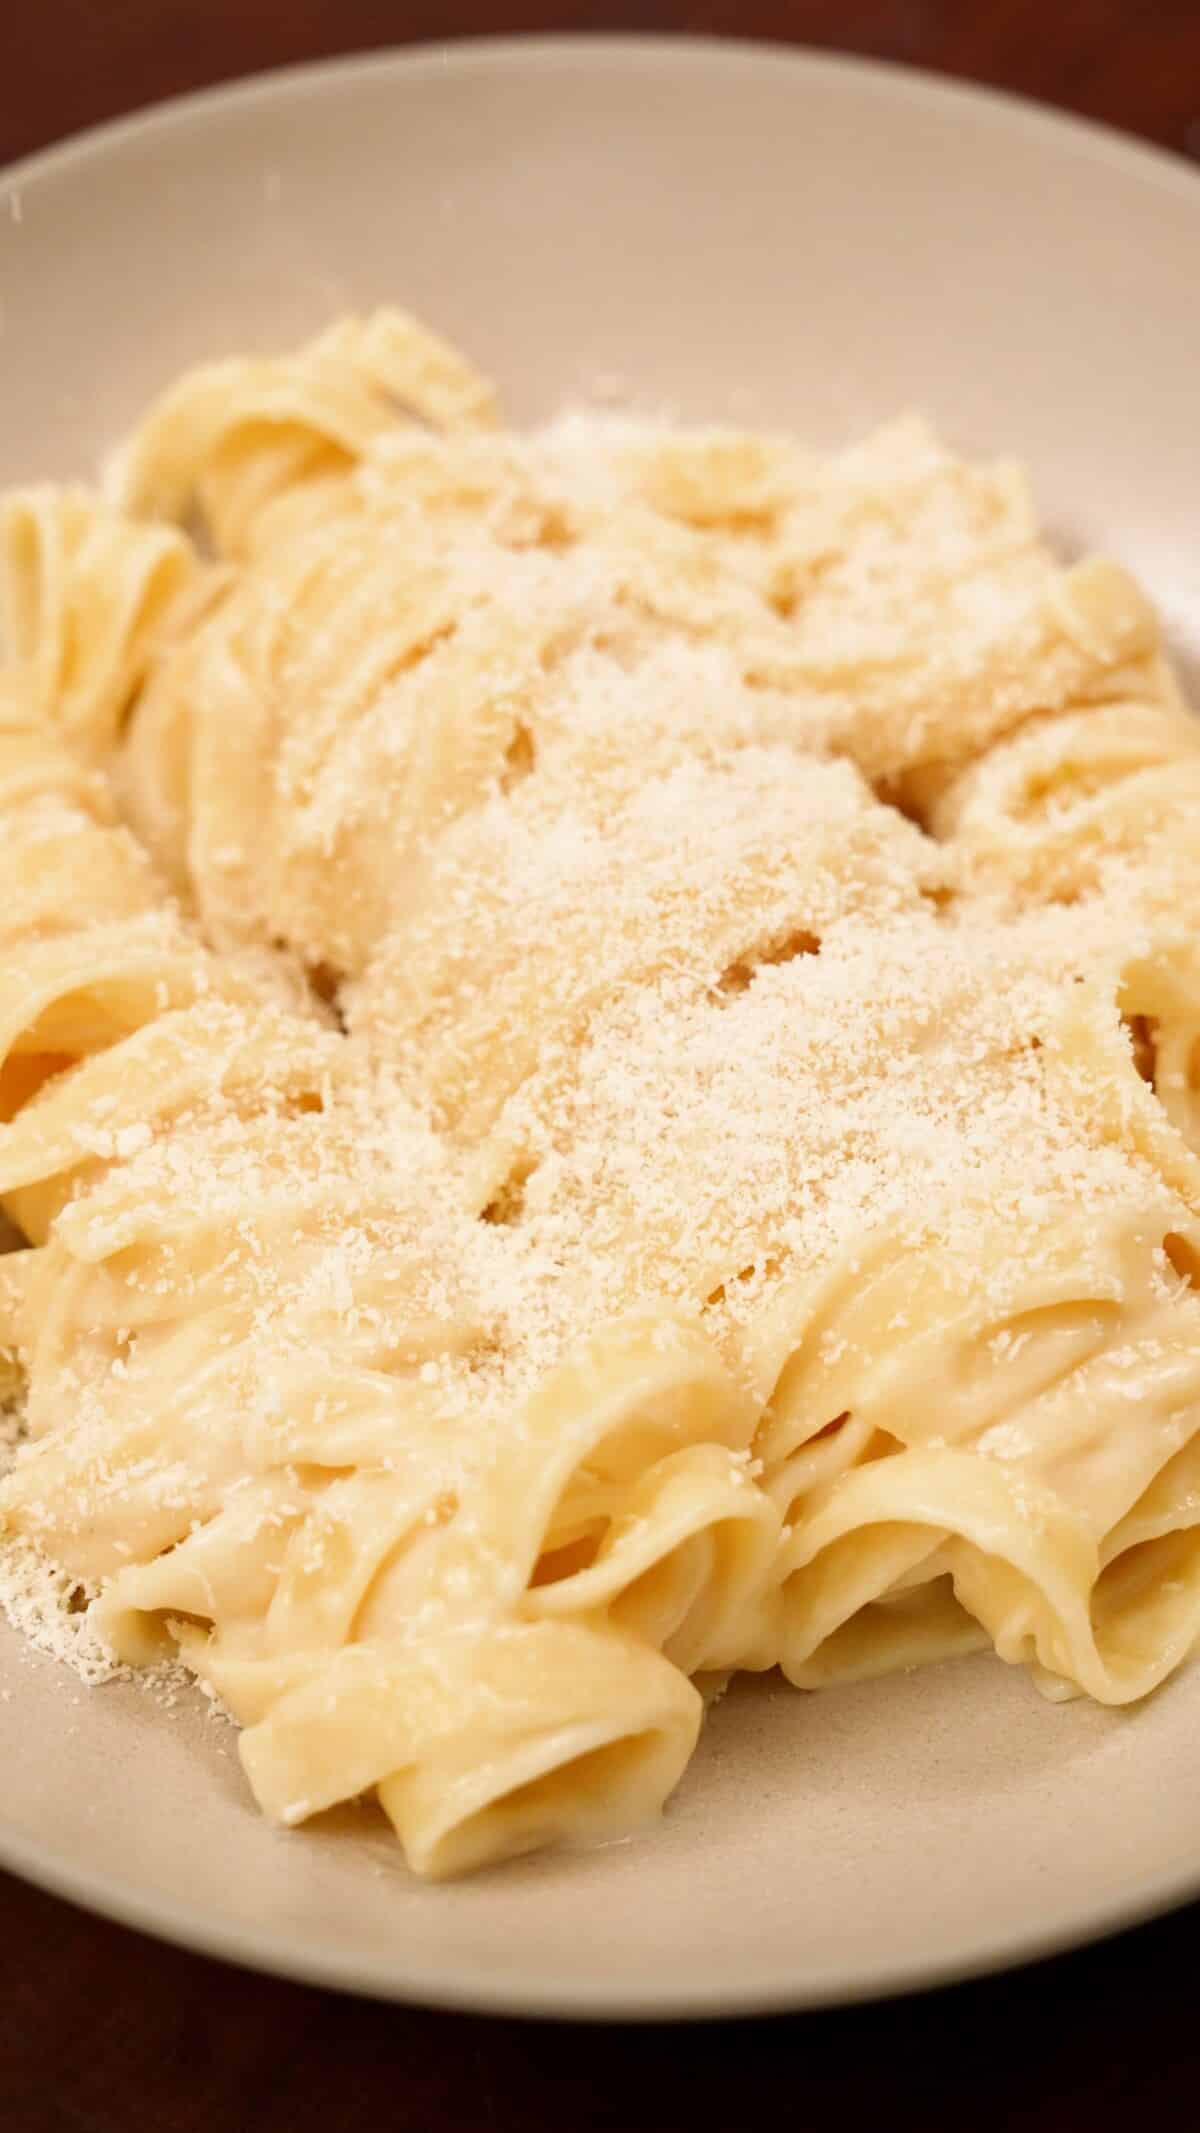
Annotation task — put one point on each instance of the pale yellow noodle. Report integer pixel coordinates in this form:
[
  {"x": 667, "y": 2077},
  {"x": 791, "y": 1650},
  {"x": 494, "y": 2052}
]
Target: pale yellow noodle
[{"x": 599, "y": 1066}]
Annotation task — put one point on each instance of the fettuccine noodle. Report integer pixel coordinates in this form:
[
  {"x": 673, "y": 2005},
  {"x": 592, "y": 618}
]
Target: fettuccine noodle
[{"x": 600, "y": 1078}]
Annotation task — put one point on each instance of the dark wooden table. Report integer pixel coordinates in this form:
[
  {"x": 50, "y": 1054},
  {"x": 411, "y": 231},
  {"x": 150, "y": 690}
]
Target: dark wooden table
[{"x": 104, "y": 2032}]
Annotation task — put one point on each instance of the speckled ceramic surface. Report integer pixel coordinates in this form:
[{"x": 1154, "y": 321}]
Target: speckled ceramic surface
[{"x": 725, "y": 232}]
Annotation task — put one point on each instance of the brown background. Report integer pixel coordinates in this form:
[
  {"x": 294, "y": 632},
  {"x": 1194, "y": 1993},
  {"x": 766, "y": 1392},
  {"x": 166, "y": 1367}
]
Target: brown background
[{"x": 102, "y": 2031}]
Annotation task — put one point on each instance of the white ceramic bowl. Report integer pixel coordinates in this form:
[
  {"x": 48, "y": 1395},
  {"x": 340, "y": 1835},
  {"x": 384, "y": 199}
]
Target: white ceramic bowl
[{"x": 730, "y": 232}]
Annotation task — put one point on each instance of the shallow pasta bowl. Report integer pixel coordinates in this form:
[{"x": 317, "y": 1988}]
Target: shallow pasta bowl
[{"x": 728, "y": 233}]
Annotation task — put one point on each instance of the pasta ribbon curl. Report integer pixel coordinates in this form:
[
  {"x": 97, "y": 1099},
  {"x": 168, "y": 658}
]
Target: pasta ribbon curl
[{"x": 599, "y": 1067}]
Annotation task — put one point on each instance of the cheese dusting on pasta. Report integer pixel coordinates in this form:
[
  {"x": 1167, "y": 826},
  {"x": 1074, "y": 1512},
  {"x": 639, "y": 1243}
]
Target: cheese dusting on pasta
[{"x": 599, "y": 1083}]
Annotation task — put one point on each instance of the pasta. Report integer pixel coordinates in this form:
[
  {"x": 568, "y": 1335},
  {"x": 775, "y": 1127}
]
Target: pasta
[{"x": 599, "y": 1082}]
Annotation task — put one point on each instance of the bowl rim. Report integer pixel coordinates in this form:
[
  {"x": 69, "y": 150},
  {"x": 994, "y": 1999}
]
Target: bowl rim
[
  {"x": 887, "y": 77},
  {"x": 540, "y": 1993}
]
